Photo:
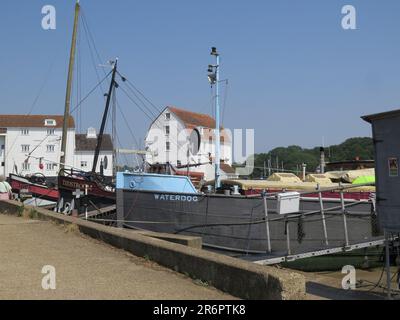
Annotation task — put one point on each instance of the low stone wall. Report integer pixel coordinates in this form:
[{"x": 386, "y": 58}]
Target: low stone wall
[{"x": 236, "y": 277}]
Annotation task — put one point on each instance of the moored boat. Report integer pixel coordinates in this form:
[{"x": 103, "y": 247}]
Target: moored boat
[{"x": 238, "y": 223}]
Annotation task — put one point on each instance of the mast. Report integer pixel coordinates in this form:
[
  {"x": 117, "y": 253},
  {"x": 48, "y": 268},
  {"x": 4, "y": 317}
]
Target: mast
[
  {"x": 103, "y": 122},
  {"x": 69, "y": 87},
  {"x": 214, "y": 79},
  {"x": 114, "y": 134}
]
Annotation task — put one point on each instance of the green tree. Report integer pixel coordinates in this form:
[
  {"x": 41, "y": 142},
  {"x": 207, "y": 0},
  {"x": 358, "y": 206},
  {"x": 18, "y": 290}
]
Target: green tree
[{"x": 293, "y": 156}]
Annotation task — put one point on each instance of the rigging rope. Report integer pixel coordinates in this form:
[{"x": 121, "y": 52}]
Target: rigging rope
[
  {"x": 90, "y": 92},
  {"x": 135, "y": 88},
  {"x": 46, "y": 78}
]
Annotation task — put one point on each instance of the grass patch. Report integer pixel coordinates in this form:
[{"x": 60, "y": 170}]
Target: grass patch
[
  {"x": 20, "y": 210},
  {"x": 147, "y": 258},
  {"x": 201, "y": 283},
  {"x": 71, "y": 228},
  {"x": 33, "y": 214}
]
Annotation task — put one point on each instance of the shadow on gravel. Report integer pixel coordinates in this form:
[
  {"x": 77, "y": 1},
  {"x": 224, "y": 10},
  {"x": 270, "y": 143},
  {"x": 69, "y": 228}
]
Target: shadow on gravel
[{"x": 333, "y": 293}]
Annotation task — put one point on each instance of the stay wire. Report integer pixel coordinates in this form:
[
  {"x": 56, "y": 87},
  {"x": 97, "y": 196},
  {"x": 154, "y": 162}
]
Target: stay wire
[{"x": 90, "y": 92}]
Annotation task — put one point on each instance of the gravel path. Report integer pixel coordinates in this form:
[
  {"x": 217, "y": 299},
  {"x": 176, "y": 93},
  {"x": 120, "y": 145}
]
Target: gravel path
[{"x": 85, "y": 268}]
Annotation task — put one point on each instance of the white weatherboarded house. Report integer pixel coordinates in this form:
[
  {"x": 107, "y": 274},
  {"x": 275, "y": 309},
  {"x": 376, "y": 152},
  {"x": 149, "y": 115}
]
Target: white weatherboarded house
[
  {"x": 31, "y": 144},
  {"x": 170, "y": 139}
]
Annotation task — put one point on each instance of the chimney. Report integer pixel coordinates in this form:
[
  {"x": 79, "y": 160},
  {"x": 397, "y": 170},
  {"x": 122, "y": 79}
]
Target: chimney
[{"x": 91, "y": 133}]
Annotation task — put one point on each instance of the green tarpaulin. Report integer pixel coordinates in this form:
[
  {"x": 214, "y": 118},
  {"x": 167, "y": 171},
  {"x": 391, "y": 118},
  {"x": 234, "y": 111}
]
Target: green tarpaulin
[{"x": 364, "y": 180}]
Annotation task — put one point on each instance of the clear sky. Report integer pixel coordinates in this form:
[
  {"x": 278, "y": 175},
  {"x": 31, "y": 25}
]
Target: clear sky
[{"x": 295, "y": 75}]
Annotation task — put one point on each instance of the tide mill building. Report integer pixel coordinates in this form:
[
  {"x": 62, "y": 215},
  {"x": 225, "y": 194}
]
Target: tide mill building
[
  {"x": 182, "y": 137},
  {"x": 31, "y": 144}
]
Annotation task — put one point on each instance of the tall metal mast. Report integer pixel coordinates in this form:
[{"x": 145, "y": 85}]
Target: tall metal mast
[
  {"x": 214, "y": 80},
  {"x": 103, "y": 122},
  {"x": 69, "y": 87},
  {"x": 114, "y": 134}
]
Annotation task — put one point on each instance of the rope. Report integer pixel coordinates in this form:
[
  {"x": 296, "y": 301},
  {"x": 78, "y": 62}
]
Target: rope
[
  {"x": 90, "y": 92},
  {"x": 134, "y": 87},
  {"x": 46, "y": 78}
]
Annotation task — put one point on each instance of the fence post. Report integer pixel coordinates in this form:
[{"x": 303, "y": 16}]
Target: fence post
[
  {"x": 267, "y": 222},
  {"x": 288, "y": 237},
  {"x": 323, "y": 215},
  {"x": 346, "y": 234}
]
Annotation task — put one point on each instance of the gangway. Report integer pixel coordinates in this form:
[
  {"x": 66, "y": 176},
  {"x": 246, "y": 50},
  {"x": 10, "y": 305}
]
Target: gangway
[
  {"x": 327, "y": 248},
  {"x": 276, "y": 258}
]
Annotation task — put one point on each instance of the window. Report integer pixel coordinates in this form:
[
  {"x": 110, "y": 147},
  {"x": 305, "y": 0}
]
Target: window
[
  {"x": 84, "y": 164},
  {"x": 50, "y": 122},
  {"x": 25, "y": 132},
  {"x": 50, "y": 148},
  {"x": 168, "y": 116},
  {"x": 25, "y": 148},
  {"x": 50, "y": 132},
  {"x": 167, "y": 130},
  {"x": 393, "y": 167},
  {"x": 50, "y": 166},
  {"x": 26, "y": 166},
  {"x": 168, "y": 146}
]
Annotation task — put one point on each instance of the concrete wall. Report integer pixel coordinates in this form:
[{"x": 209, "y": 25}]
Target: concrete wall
[{"x": 239, "y": 278}]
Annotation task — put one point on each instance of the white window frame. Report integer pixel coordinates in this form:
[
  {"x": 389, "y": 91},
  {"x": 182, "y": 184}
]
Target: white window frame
[
  {"x": 50, "y": 123},
  {"x": 25, "y": 148},
  {"x": 26, "y": 166},
  {"x": 25, "y": 132},
  {"x": 51, "y": 148},
  {"x": 51, "y": 132}
]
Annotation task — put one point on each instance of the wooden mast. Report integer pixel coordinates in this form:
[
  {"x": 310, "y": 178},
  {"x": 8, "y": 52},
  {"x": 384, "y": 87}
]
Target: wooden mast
[{"x": 69, "y": 87}]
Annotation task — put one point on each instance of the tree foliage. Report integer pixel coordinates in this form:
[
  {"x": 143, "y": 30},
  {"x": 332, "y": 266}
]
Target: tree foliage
[{"x": 293, "y": 157}]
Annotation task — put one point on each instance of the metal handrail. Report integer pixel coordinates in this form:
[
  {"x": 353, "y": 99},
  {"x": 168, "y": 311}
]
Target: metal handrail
[{"x": 317, "y": 190}]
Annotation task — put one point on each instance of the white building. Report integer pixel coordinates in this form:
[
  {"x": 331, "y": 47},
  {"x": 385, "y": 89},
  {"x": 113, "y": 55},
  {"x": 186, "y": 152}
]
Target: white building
[
  {"x": 31, "y": 144},
  {"x": 85, "y": 146},
  {"x": 173, "y": 138}
]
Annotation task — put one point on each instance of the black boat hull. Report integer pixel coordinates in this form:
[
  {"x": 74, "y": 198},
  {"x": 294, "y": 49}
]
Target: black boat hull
[{"x": 238, "y": 223}]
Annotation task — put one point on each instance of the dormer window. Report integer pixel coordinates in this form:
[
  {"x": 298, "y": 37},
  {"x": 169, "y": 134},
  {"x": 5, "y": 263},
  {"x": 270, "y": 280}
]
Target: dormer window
[
  {"x": 50, "y": 123},
  {"x": 91, "y": 133}
]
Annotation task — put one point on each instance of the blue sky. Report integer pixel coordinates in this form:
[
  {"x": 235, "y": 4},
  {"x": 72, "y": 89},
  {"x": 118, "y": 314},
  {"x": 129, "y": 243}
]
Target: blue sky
[{"x": 295, "y": 75}]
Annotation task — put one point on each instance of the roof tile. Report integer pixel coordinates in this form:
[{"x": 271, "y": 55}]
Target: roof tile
[
  {"x": 33, "y": 121},
  {"x": 82, "y": 143}
]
